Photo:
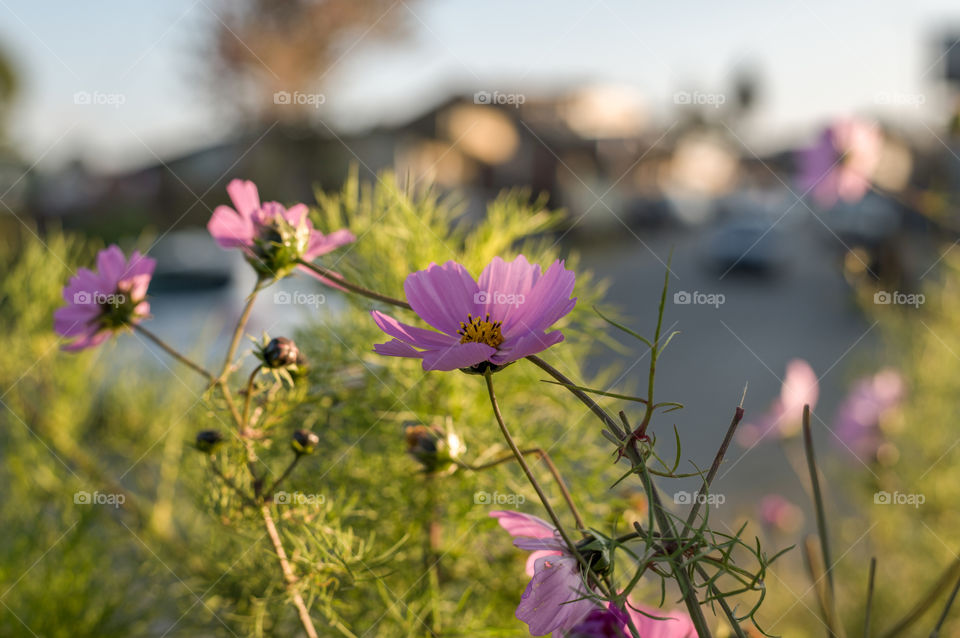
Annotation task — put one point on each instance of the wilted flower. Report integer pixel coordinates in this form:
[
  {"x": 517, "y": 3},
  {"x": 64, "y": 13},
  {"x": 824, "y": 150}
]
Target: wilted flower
[
  {"x": 482, "y": 324},
  {"x": 101, "y": 303},
  {"x": 271, "y": 236},
  {"x": 842, "y": 163},
  {"x": 208, "y": 440},
  {"x": 433, "y": 448},
  {"x": 304, "y": 441},
  {"x": 800, "y": 388},
  {"x": 859, "y": 416},
  {"x": 555, "y": 599}
]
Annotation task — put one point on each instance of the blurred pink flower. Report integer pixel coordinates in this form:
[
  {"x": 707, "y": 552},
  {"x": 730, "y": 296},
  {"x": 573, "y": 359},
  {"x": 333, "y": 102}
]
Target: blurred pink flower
[
  {"x": 555, "y": 599},
  {"x": 800, "y": 387},
  {"x": 842, "y": 163},
  {"x": 101, "y": 303},
  {"x": 271, "y": 236},
  {"x": 780, "y": 514},
  {"x": 502, "y": 317},
  {"x": 858, "y": 418}
]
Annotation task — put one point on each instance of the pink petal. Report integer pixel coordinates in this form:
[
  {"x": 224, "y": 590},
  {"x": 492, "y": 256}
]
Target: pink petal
[
  {"x": 412, "y": 335},
  {"x": 296, "y": 214},
  {"x": 229, "y": 229},
  {"x": 74, "y": 320},
  {"x": 503, "y": 283},
  {"x": 676, "y": 624},
  {"x": 457, "y": 356},
  {"x": 397, "y": 348},
  {"x": 245, "y": 198},
  {"x": 520, "y": 524},
  {"x": 800, "y": 387},
  {"x": 89, "y": 340},
  {"x": 546, "y": 303},
  {"x": 546, "y": 603},
  {"x": 534, "y": 557},
  {"x": 442, "y": 296},
  {"x": 526, "y": 345},
  {"x": 321, "y": 244},
  {"x": 111, "y": 263},
  {"x": 329, "y": 281}
]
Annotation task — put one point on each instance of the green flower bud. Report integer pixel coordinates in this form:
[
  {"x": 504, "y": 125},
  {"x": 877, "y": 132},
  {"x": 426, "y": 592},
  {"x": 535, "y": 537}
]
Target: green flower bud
[
  {"x": 208, "y": 440},
  {"x": 433, "y": 448},
  {"x": 304, "y": 441}
]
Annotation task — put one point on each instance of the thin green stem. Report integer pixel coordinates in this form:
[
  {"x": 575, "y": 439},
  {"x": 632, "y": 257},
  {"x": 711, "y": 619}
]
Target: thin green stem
[
  {"x": 238, "y": 331},
  {"x": 715, "y": 467},
  {"x": 553, "y": 470},
  {"x": 830, "y": 594},
  {"x": 869, "y": 606},
  {"x": 360, "y": 290},
  {"x": 231, "y": 484},
  {"x": 946, "y": 610},
  {"x": 926, "y": 601},
  {"x": 173, "y": 353},
  {"x": 249, "y": 396},
  {"x": 273, "y": 487}
]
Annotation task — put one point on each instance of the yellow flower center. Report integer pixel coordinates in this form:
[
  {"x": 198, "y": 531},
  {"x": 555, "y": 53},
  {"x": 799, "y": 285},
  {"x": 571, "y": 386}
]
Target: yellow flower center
[{"x": 480, "y": 331}]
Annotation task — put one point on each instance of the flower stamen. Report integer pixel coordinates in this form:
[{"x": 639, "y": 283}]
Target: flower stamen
[{"x": 477, "y": 330}]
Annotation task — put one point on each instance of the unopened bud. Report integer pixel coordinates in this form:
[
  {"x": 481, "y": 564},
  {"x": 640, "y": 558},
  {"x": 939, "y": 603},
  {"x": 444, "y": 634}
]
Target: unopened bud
[
  {"x": 434, "y": 449},
  {"x": 304, "y": 441},
  {"x": 208, "y": 440},
  {"x": 281, "y": 353}
]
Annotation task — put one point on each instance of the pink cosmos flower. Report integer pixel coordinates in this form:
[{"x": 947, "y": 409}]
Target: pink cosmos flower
[
  {"x": 611, "y": 622},
  {"x": 272, "y": 237},
  {"x": 490, "y": 322},
  {"x": 842, "y": 163},
  {"x": 101, "y": 303},
  {"x": 779, "y": 514},
  {"x": 800, "y": 388},
  {"x": 859, "y": 416},
  {"x": 555, "y": 599}
]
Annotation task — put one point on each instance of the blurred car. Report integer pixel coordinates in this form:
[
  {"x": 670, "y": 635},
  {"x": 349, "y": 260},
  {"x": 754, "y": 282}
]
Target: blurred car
[{"x": 748, "y": 245}]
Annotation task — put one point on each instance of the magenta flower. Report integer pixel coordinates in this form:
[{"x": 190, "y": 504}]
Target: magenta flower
[
  {"x": 555, "y": 599},
  {"x": 487, "y": 323},
  {"x": 800, "y": 388},
  {"x": 858, "y": 419},
  {"x": 842, "y": 163},
  {"x": 272, "y": 237},
  {"x": 779, "y": 514},
  {"x": 99, "y": 304}
]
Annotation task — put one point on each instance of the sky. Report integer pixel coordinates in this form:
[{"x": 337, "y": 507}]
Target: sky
[{"x": 817, "y": 59}]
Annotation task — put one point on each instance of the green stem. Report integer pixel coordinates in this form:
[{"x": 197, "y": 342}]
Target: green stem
[
  {"x": 273, "y": 488},
  {"x": 173, "y": 353},
  {"x": 238, "y": 331},
  {"x": 830, "y": 594},
  {"x": 553, "y": 470},
  {"x": 869, "y": 606},
  {"x": 288, "y": 575},
  {"x": 360, "y": 290},
  {"x": 946, "y": 610}
]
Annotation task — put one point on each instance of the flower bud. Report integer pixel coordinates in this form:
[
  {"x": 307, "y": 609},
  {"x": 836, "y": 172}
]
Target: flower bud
[
  {"x": 434, "y": 449},
  {"x": 208, "y": 440},
  {"x": 304, "y": 441},
  {"x": 281, "y": 353}
]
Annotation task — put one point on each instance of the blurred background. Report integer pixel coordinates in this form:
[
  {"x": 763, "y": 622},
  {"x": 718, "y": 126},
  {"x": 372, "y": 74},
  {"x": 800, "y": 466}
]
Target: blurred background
[{"x": 796, "y": 163}]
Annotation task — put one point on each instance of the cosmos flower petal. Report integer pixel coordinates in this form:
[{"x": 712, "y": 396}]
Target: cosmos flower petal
[
  {"x": 321, "y": 244},
  {"x": 505, "y": 285},
  {"x": 442, "y": 296},
  {"x": 396, "y": 348},
  {"x": 245, "y": 198},
  {"x": 90, "y": 339},
  {"x": 525, "y": 346},
  {"x": 412, "y": 335},
  {"x": 229, "y": 229},
  {"x": 72, "y": 320},
  {"x": 520, "y": 524},
  {"x": 111, "y": 263},
  {"x": 550, "y": 601},
  {"x": 552, "y": 544},
  {"x": 461, "y": 355},
  {"x": 547, "y": 302}
]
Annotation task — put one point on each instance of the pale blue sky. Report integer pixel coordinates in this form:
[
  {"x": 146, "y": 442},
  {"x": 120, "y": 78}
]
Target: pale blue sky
[{"x": 818, "y": 59}]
